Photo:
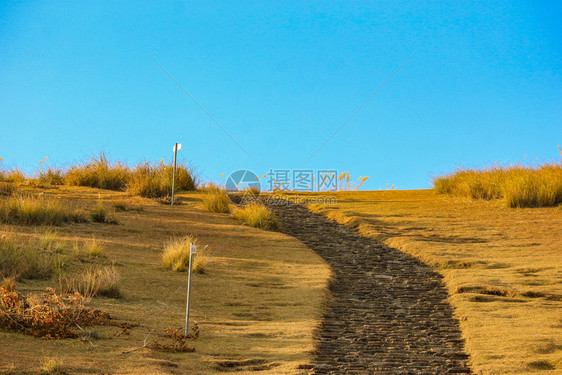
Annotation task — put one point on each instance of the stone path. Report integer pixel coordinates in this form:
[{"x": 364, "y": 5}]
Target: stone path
[{"x": 389, "y": 313}]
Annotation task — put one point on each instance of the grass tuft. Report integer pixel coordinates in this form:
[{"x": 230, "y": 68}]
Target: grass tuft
[
  {"x": 48, "y": 241},
  {"x": 50, "y": 176},
  {"x": 123, "y": 206},
  {"x": 37, "y": 210},
  {"x": 27, "y": 260},
  {"x": 155, "y": 180},
  {"x": 99, "y": 173},
  {"x": 52, "y": 365},
  {"x": 176, "y": 255},
  {"x": 7, "y": 188},
  {"x": 215, "y": 199},
  {"x": 150, "y": 181},
  {"x": 14, "y": 175},
  {"x": 519, "y": 186},
  {"x": 98, "y": 214},
  {"x": 94, "y": 282},
  {"x": 257, "y": 215},
  {"x": 94, "y": 248}
]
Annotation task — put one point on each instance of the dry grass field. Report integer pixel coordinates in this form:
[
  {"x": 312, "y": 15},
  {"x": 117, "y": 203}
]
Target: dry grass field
[
  {"x": 256, "y": 303},
  {"x": 257, "y": 294},
  {"x": 501, "y": 265}
]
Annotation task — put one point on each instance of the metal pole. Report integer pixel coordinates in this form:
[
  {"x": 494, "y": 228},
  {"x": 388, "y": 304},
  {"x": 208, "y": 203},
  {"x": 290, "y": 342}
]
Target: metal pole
[
  {"x": 192, "y": 250},
  {"x": 174, "y": 176}
]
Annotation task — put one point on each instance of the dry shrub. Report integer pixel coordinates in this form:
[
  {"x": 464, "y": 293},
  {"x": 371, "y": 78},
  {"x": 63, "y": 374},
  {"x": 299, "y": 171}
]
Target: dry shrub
[
  {"x": 95, "y": 282},
  {"x": 99, "y": 173},
  {"x": 37, "y": 210},
  {"x": 519, "y": 186},
  {"x": 257, "y": 215},
  {"x": 49, "y": 315},
  {"x": 176, "y": 340},
  {"x": 176, "y": 255},
  {"x": 155, "y": 180},
  {"x": 215, "y": 199}
]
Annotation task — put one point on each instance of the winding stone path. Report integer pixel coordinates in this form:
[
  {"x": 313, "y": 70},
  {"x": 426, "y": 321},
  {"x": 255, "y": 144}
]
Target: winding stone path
[{"x": 389, "y": 313}]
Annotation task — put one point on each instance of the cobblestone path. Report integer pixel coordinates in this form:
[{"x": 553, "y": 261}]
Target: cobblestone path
[{"x": 389, "y": 313}]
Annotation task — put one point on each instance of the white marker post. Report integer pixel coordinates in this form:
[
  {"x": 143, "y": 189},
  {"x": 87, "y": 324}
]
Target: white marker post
[
  {"x": 177, "y": 147},
  {"x": 192, "y": 250}
]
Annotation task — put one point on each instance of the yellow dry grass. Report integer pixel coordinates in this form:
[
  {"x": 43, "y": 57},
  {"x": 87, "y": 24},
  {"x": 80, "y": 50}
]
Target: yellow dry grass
[
  {"x": 176, "y": 255},
  {"x": 149, "y": 180},
  {"x": 502, "y": 267},
  {"x": 100, "y": 173},
  {"x": 92, "y": 282},
  {"x": 35, "y": 209},
  {"x": 517, "y": 185},
  {"x": 155, "y": 180},
  {"x": 256, "y": 215},
  {"x": 7, "y": 188},
  {"x": 257, "y": 304},
  {"x": 13, "y": 175},
  {"x": 215, "y": 199},
  {"x": 52, "y": 365}
]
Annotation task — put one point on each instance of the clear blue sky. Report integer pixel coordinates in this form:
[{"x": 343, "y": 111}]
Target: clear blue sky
[{"x": 484, "y": 84}]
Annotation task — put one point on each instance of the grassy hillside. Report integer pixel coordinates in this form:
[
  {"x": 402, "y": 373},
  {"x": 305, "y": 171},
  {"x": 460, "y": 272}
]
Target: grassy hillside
[
  {"x": 501, "y": 265},
  {"x": 256, "y": 303}
]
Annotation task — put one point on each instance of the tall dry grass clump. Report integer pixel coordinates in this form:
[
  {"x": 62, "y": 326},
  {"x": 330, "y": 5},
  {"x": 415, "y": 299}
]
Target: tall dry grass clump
[
  {"x": 99, "y": 173},
  {"x": 94, "y": 282},
  {"x": 176, "y": 255},
  {"x": 24, "y": 260},
  {"x": 215, "y": 199},
  {"x": 257, "y": 215},
  {"x": 7, "y": 188},
  {"x": 50, "y": 176},
  {"x": 518, "y": 185},
  {"x": 13, "y": 175},
  {"x": 93, "y": 248},
  {"x": 155, "y": 180},
  {"x": 99, "y": 214},
  {"x": 37, "y": 210},
  {"x": 149, "y": 181},
  {"x": 185, "y": 176},
  {"x": 52, "y": 365}
]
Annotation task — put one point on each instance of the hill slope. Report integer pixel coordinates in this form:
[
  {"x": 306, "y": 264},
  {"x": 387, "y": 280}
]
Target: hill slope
[{"x": 256, "y": 305}]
